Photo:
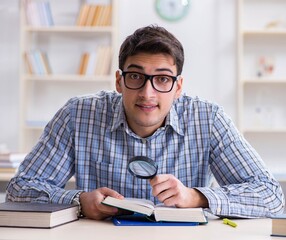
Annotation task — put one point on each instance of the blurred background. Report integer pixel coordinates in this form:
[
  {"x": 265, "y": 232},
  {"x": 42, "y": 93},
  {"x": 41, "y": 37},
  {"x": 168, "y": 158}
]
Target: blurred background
[{"x": 234, "y": 56}]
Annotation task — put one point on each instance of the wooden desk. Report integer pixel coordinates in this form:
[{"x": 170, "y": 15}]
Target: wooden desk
[{"x": 254, "y": 229}]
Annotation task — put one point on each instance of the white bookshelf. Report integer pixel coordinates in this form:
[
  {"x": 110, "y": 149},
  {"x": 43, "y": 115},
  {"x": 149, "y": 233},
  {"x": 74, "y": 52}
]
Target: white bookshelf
[
  {"x": 64, "y": 43},
  {"x": 261, "y": 97}
]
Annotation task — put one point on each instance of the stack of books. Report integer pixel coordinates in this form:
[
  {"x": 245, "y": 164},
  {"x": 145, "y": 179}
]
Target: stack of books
[
  {"x": 36, "y": 215},
  {"x": 94, "y": 15},
  {"x": 9, "y": 162}
]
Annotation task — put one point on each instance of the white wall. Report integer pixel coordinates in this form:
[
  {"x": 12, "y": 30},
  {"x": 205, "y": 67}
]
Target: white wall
[
  {"x": 9, "y": 75},
  {"x": 207, "y": 33}
]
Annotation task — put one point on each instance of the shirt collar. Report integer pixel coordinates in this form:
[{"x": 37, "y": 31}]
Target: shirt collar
[
  {"x": 172, "y": 120},
  {"x": 119, "y": 116}
]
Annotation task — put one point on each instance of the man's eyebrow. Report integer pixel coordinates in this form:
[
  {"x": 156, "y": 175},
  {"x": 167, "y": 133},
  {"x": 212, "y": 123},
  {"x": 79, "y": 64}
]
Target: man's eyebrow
[
  {"x": 157, "y": 70},
  {"x": 164, "y": 69},
  {"x": 135, "y": 66}
]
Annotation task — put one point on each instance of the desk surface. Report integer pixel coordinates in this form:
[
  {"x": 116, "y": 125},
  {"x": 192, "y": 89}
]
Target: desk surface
[{"x": 89, "y": 229}]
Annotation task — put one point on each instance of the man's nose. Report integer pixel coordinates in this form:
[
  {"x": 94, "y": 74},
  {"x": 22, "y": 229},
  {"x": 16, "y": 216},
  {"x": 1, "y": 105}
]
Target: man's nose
[{"x": 148, "y": 88}]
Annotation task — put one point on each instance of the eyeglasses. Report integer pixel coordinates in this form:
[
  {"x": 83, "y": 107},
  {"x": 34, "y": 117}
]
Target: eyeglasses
[{"x": 136, "y": 80}]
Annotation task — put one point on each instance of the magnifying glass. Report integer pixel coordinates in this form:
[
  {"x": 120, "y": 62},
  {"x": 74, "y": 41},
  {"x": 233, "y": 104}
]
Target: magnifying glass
[{"x": 142, "y": 167}]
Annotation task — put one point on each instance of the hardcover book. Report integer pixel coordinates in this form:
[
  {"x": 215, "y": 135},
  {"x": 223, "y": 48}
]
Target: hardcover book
[
  {"x": 279, "y": 226},
  {"x": 158, "y": 212},
  {"x": 36, "y": 215}
]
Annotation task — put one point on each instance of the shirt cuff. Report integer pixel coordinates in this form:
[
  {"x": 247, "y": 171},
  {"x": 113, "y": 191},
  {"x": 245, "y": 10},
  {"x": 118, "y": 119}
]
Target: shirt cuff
[{"x": 218, "y": 201}]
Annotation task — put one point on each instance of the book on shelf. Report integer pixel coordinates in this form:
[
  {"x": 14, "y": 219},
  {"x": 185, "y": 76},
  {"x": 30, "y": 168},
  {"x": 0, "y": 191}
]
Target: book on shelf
[
  {"x": 46, "y": 63},
  {"x": 279, "y": 226},
  {"x": 28, "y": 62},
  {"x": 36, "y": 215},
  {"x": 90, "y": 15},
  {"x": 37, "y": 62},
  {"x": 105, "y": 16},
  {"x": 104, "y": 64},
  {"x": 97, "y": 14},
  {"x": 82, "y": 16},
  {"x": 94, "y": 15},
  {"x": 104, "y": 61},
  {"x": 159, "y": 212},
  {"x": 96, "y": 63},
  {"x": 92, "y": 61},
  {"x": 83, "y": 63},
  {"x": 38, "y": 13}
]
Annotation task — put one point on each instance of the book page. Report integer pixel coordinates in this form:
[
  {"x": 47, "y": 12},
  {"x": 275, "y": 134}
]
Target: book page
[
  {"x": 173, "y": 214},
  {"x": 142, "y": 202},
  {"x": 135, "y": 205}
]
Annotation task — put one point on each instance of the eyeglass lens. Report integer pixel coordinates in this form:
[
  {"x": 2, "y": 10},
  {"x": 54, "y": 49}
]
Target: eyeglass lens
[{"x": 163, "y": 83}]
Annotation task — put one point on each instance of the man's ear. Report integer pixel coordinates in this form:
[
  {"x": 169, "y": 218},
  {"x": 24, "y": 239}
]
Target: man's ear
[
  {"x": 179, "y": 87},
  {"x": 118, "y": 82}
]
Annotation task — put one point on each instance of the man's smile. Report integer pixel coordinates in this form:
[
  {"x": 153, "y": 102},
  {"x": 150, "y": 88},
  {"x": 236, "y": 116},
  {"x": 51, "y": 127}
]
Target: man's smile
[{"x": 146, "y": 107}]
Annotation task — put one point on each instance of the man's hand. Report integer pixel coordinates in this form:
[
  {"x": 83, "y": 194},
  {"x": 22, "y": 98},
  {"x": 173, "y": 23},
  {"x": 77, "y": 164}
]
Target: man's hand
[
  {"x": 91, "y": 203},
  {"x": 172, "y": 192}
]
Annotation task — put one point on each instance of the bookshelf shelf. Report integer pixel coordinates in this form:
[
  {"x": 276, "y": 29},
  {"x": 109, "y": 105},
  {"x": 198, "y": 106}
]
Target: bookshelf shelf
[
  {"x": 263, "y": 32},
  {"x": 52, "y": 68},
  {"x": 70, "y": 29},
  {"x": 262, "y": 79},
  {"x": 264, "y": 130},
  {"x": 67, "y": 78}
]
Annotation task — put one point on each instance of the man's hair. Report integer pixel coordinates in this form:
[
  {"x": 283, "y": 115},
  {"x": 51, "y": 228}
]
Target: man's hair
[{"x": 152, "y": 39}]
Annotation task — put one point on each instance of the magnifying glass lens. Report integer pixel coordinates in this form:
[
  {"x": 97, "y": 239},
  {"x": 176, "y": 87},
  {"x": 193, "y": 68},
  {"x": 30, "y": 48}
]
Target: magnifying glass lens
[{"x": 142, "y": 167}]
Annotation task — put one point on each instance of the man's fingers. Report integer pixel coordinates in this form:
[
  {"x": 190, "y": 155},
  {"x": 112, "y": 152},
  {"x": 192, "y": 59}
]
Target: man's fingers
[
  {"x": 110, "y": 192},
  {"x": 159, "y": 179}
]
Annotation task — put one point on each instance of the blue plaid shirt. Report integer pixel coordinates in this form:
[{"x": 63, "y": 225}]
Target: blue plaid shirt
[{"x": 89, "y": 138}]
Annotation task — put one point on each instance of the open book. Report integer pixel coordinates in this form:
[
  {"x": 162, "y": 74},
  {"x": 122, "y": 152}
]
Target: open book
[{"x": 160, "y": 212}]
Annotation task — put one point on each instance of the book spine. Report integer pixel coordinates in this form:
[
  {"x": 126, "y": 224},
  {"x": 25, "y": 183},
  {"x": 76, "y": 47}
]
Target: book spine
[
  {"x": 82, "y": 17},
  {"x": 28, "y": 62},
  {"x": 91, "y": 64},
  {"x": 33, "y": 14},
  {"x": 49, "y": 15}
]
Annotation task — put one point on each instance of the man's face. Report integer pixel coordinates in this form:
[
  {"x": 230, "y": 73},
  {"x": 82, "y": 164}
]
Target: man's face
[{"x": 146, "y": 108}]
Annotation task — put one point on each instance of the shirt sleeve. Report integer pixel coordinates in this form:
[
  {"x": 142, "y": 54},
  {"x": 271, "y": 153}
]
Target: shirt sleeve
[
  {"x": 47, "y": 168},
  {"x": 246, "y": 187}
]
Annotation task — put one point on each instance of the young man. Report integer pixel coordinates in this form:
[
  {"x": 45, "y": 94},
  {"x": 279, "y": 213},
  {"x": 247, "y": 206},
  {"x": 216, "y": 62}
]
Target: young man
[{"x": 191, "y": 140}]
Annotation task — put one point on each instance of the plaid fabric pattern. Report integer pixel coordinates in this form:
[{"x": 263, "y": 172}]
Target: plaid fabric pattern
[{"x": 90, "y": 139}]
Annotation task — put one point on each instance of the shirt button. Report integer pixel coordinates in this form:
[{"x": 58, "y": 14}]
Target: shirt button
[{"x": 143, "y": 140}]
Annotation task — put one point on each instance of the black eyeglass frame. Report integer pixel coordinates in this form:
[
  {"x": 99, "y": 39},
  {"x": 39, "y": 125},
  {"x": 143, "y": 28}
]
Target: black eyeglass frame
[{"x": 148, "y": 77}]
